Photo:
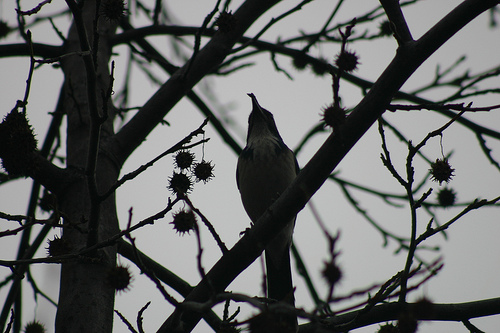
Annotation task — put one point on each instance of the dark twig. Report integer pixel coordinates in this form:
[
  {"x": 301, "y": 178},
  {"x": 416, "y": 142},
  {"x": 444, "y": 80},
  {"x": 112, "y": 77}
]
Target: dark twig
[
  {"x": 24, "y": 102},
  {"x": 278, "y": 68},
  {"x": 386, "y": 157},
  {"x": 270, "y": 24},
  {"x": 401, "y": 137},
  {"x": 199, "y": 33},
  {"x": 11, "y": 321},
  {"x": 401, "y": 31},
  {"x": 182, "y": 287},
  {"x": 140, "y": 318},
  {"x": 474, "y": 205},
  {"x": 323, "y": 31},
  {"x": 178, "y": 146},
  {"x": 157, "y": 11},
  {"x": 149, "y": 273},
  {"x": 34, "y": 10},
  {"x": 414, "y": 205},
  {"x": 458, "y": 107},
  {"x": 434, "y": 133},
  {"x": 471, "y": 328},
  {"x": 199, "y": 262},
  {"x": 57, "y": 31},
  {"x": 487, "y": 151},
  {"x": 126, "y": 322},
  {"x": 84, "y": 252},
  {"x": 37, "y": 291},
  {"x": 207, "y": 223},
  {"x": 52, "y": 222}
]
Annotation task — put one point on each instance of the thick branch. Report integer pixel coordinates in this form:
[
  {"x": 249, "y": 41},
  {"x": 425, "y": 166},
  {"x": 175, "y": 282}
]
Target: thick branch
[
  {"x": 41, "y": 50},
  {"x": 50, "y": 176},
  {"x": 395, "y": 14},
  {"x": 391, "y": 311}
]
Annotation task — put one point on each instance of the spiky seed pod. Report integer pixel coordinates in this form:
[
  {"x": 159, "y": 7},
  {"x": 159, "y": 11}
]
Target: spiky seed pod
[
  {"x": 446, "y": 197},
  {"x": 332, "y": 273},
  {"x": 225, "y": 22},
  {"x": 113, "y": 10},
  {"x": 119, "y": 278},
  {"x": 58, "y": 246},
  {"x": 47, "y": 202},
  {"x": 184, "y": 159},
  {"x": 4, "y": 29},
  {"x": 34, "y": 327},
  {"x": 333, "y": 116},
  {"x": 184, "y": 221},
  {"x": 17, "y": 143},
  {"x": 203, "y": 171},
  {"x": 441, "y": 171},
  {"x": 388, "y": 328},
  {"x": 347, "y": 61},
  {"x": 180, "y": 183},
  {"x": 385, "y": 28},
  {"x": 320, "y": 67},
  {"x": 300, "y": 61}
]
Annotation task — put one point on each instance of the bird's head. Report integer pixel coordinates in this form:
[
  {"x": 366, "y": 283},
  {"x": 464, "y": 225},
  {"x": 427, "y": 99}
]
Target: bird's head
[{"x": 261, "y": 123}]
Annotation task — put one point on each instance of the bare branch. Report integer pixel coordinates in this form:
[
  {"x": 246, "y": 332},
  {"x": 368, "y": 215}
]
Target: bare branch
[
  {"x": 401, "y": 31},
  {"x": 178, "y": 146},
  {"x": 35, "y": 9}
]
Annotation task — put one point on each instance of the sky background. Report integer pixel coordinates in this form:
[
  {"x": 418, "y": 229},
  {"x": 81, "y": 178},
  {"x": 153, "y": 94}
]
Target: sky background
[{"x": 470, "y": 252}]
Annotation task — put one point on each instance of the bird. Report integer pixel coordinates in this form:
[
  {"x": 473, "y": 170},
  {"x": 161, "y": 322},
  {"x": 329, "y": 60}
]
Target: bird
[{"x": 265, "y": 168}]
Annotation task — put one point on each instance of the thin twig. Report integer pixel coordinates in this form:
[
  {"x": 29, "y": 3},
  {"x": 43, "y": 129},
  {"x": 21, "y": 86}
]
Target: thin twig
[
  {"x": 83, "y": 254},
  {"x": 140, "y": 318},
  {"x": 271, "y": 23},
  {"x": 126, "y": 322},
  {"x": 401, "y": 30},
  {"x": 471, "y": 327},
  {"x": 149, "y": 273},
  {"x": 414, "y": 205},
  {"x": 24, "y": 102},
  {"x": 474, "y": 205},
  {"x": 207, "y": 223},
  {"x": 438, "y": 106},
  {"x": 34, "y": 10},
  {"x": 178, "y": 146}
]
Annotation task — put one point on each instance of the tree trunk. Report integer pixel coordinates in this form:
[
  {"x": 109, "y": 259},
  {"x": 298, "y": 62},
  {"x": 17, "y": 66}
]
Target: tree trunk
[{"x": 86, "y": 301}]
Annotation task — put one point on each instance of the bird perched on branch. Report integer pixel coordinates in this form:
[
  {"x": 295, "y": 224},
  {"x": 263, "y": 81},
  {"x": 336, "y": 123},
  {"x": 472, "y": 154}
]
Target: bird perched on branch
[{"x": 265, "y": 169}]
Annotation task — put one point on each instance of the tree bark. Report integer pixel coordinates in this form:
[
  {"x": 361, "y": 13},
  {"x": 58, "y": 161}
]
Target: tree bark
[{"x": 86, "y": 301}]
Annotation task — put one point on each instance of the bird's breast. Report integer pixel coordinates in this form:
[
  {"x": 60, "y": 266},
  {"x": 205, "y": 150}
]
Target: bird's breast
[{"x": 265, "y": 169}]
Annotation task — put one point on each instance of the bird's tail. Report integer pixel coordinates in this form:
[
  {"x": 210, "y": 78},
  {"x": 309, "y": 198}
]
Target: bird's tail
[{"x": 280, "y": 288}]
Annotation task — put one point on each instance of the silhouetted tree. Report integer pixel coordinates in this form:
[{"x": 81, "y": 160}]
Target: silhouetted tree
[{"x": 101, "y": 129}]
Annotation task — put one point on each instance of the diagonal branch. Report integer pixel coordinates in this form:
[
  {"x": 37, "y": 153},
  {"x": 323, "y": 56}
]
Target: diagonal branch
[
  {"x": 391, "y": 311},
  {"x": 398, "y": 22}
]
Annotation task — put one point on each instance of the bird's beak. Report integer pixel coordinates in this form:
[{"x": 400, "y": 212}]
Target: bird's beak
[{"x": 255, "y": 104}]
